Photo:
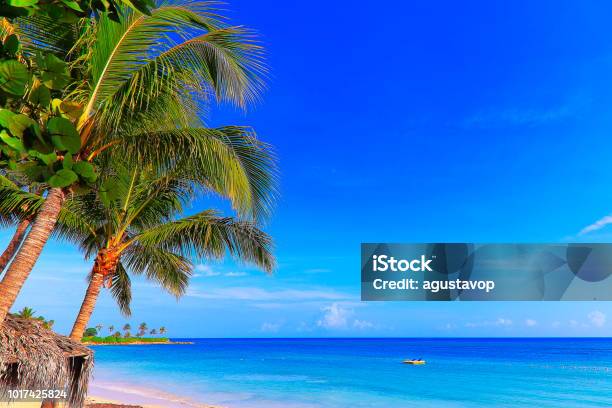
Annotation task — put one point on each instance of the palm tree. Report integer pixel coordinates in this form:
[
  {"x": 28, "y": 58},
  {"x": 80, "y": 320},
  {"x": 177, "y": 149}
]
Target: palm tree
[
  {"x": 20, "y": 216},
  {"x": 140, "y": 230},
  {"x": 26, "y": 313},
  {"x": 13, "y": 245},
  {"x": 126, "y": 329},
  {"x": 144, "y": 82},
  {"x": 111, "y": 328},
  {"x": 153, "y": 332},
  {"x": 99, "y": 327},
  {"x": 142, "y": 329},
  {"x": 162, "y": 330}
]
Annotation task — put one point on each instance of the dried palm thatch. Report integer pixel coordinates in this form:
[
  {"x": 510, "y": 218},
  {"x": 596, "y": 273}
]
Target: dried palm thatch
[{"x": 34, "y": 357}]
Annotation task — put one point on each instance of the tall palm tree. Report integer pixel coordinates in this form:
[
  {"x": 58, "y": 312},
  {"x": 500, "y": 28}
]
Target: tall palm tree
[
  {"x": 145, "y": 82},
  {"x": 162, "y": 330},
  {"x": 139, "y": 229},
  {"x": 111, "y": 328}
]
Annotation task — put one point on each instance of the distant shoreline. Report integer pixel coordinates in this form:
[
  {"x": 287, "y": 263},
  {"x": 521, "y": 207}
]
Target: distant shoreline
[{"x": 138, "y": 343}]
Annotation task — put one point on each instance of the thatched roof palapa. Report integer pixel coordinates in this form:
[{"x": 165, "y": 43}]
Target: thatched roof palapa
[{"x": 34, "y": 357}]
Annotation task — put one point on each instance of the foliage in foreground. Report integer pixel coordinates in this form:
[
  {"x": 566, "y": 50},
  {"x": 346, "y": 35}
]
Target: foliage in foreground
[{"x": 70, "y": 10}]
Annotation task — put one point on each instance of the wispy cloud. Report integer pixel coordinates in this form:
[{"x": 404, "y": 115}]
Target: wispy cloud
[
  {"x": 208, "y": 272},
  {"x": 597, "y": 225},
  {"x": 259, "y": 294},
  {"x": 205, "y": 270},
  {"x": 531, "y": 323},
  {"x": 362, "y": 324},
  {"x": 492, "y": 118},
  {"x": 499, "y": 322},
  {"x": 269, "y": 327},
  {"x": 235, "y": 274}
]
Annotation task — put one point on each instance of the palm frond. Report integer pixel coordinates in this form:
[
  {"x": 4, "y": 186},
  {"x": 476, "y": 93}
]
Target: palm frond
[
  {"x": 42, "y": 33},
  {"x": 15, "y": 202},
  {"x": 170, "y": 270},
  {"x": 121, "y": 290},
  {"x": 229, "y": 161},
  {"x": 207, "y": 235},
  {"x": 226, "y": 63},
  {"x": 121, "y": 48}
]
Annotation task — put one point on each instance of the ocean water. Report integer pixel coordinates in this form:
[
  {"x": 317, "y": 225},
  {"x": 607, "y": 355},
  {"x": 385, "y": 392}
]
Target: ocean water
[{"x": 341, "y": 373}]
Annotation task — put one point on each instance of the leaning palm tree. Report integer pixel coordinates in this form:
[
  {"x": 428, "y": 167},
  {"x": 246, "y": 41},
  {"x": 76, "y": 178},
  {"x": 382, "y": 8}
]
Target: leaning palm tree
[
  {"x": 144, "y": 83},
  {"x": 138, "y": 229},
  {"x": 20, "y": 217}
]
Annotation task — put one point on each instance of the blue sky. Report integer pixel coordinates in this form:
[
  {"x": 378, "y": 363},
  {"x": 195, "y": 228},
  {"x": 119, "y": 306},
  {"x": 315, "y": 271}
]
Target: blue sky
[{"x": 404, "y": 122}]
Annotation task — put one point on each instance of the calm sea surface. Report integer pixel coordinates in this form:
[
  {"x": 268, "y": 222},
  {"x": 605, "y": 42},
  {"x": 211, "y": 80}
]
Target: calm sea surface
[{"x": 341, "y": 373}]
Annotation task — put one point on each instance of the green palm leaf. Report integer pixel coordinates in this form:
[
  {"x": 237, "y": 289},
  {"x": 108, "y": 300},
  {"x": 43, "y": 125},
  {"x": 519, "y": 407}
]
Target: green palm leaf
[
  {"x": 229, "y": 161},
  {"x": 207, "y": 235},
  {"x": 171, "y": 271},
  {"x": 121, "y": 49}
]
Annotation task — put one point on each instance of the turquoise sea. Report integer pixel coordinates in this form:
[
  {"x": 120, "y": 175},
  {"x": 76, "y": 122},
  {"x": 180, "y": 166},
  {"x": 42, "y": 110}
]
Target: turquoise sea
[{"x": 360, "y": 373}]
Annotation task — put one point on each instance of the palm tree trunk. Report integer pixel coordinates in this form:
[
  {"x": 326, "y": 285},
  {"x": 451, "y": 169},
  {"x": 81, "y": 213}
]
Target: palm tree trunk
[
  {"x": 30, "y": 250},
  {"x": 88, "y": 305},
  {"x": 104, "y": 266},
  {"x": 13, "y": 245}
]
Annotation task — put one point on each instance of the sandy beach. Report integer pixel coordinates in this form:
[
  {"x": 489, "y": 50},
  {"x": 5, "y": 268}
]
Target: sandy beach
[{"x": 103, "y": 402}]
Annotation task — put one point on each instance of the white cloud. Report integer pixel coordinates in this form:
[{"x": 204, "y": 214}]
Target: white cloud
[
  {"x": 362, "y": 324},
  {"x": 499, "y": 322},
  {"x": 335, "y": 317},
  {"x": 597, "y": 225},
  {"x": 235, "y": 274},
  {"x": 449, "y": 326},
  {"x": 530, "y": 323},
  {"x": 268, "y": 327},
  {"x": 503, "y": 322},
  {"x": 341, "y": 316},
  {"x": 259, "y": 294},
  {"x": 205, "y": 270},
  {"x": 597, "y": 318}
]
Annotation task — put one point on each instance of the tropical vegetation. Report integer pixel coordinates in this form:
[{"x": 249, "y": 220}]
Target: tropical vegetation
[
  {"x": 123, "y": 340},
  {"x": 85, "y": 84},
  {"x": 29, "y": 313},
  {"x": 139, "y": 230}
]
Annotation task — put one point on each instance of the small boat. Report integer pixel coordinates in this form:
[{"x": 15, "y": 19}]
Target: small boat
[{"x": 414, "y": 362}]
